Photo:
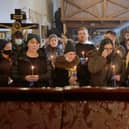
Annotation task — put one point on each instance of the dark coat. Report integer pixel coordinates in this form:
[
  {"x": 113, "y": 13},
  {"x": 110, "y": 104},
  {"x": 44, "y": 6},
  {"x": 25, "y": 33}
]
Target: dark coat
[
  {"x": 83, "y": 73},
  {"x": 101, "y": 68},
  {"x": 22, "y": 67},
  {"x": 61, "y": 71},
  {"x": 5, "y": 71}
]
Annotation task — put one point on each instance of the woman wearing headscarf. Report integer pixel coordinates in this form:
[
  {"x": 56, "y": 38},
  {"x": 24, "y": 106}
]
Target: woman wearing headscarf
[{"x": 65, "y": 72}]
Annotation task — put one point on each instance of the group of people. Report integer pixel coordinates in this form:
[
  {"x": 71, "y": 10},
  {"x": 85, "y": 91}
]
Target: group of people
[{"x": 63, "y": 62}]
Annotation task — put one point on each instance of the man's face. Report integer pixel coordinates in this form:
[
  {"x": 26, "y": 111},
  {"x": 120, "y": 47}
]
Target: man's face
[{"x": 82, "y": 35}]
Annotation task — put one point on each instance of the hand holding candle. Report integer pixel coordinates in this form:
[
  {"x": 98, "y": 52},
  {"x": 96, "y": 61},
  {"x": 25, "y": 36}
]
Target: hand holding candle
[
  {"x": 113, "y": 69},
  {"x": 73, "y": 76},
  {"x": 83, "y": 54}
]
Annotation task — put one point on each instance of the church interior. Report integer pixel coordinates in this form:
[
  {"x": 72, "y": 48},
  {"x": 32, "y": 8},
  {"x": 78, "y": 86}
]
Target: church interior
[{"x": 64, "y": 64}]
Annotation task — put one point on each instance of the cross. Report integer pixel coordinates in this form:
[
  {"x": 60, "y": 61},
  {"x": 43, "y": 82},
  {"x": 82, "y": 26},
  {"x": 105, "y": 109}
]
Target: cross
[{"x": 19, "y": 16}]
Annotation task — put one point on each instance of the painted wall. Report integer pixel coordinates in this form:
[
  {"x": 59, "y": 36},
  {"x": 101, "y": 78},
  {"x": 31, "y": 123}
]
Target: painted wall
[{"x": 39, "y": 7}]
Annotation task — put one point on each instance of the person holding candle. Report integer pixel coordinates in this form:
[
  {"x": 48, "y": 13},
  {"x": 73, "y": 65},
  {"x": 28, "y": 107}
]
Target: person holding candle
[
  {"x": 65, "y": 72},
  {"x": 52, "y": 48},
  {"x": 105, "y": 66},
  {"x": 6, "y": 61},
  {"x": 31, "y": 68},
  {"x": 82, "y": 49}
]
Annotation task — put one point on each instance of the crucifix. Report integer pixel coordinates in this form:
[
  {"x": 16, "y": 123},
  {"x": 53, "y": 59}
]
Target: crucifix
[{"x": 19, "y": 16}]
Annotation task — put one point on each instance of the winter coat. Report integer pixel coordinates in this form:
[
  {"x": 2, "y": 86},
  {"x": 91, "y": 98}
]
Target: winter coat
[
  {"x": 22, "y": 67},
  {"x": 5, "y": 71},
  {"x": 83, "y": 73},
  {"x": 61, "y": 71},
  {"x": 101, "y": 68}
]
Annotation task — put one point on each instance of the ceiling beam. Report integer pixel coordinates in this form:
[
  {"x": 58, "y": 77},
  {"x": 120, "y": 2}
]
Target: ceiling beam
[
  {"x": 83, "y": 9},
  {"x": 120, "y": 13},
  {"x": 104, "y": 8},
  {"x": 89, "y": 6},
  {"x": 96, "y": 19},
  {"x": 118, "y": 4}
]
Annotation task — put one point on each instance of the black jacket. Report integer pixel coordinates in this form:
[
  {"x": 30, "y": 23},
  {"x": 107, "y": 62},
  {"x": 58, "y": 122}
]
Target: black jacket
[
  {"x": 61, "y": 71},
  {"x": 83, "y": 73},
  {"x": 5, "y": 71},
  {"x": 22, "y": 67}
]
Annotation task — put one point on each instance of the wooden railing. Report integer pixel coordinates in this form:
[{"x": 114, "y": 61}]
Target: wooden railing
[
  {"x": 64, "y": 94},
  {"x": 64, "y": 108}
]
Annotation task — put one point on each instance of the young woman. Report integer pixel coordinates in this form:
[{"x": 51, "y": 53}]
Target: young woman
[
  {"x": 5, "y": 62},
  {"x": 106, "y": 66},
  {"x": 31, "y": 68}
]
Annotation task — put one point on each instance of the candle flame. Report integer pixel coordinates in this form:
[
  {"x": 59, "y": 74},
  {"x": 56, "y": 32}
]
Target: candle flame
[
  {"x": 32, "y": 67},
  {"x": 52, "y": 56},
  {"x": 118, "y": 51},
  {"x": 113, "y": 68}
]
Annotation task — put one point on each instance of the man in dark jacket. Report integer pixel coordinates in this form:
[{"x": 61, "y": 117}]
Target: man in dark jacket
[{"x": 82, "y": 48}]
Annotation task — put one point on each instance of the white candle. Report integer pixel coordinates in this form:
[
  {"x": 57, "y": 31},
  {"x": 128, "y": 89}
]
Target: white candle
[
  {"x": 32, "y": 68},
  {"x": 113, "y": 73}
]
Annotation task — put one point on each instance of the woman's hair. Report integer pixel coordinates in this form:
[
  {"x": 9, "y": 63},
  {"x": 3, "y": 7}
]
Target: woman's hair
[{"x": 103, "y": 43}]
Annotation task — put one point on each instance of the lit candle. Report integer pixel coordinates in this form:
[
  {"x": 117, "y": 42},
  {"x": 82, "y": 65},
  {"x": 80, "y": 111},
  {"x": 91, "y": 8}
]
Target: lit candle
[
  {"x": 118, "y": 52},
  {"x": 113, "y": 69},
  {"x": 75, "y": 68},
  {"x": 113, "y": 73},
  {"x": 32, "y": 68},
  {"x": 83, "y": 54},
  {"x": 51, "y": 57}
]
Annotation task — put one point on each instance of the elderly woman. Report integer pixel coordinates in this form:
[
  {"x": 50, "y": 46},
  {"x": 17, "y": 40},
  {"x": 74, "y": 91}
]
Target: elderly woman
[
  {"x": 31, "y": 68},
  {"x": 5, "y": 62},
  {"x": 52, "y": 48},
  {"x": 106, "y": 66},
  {"x": 65, "y": 70}
]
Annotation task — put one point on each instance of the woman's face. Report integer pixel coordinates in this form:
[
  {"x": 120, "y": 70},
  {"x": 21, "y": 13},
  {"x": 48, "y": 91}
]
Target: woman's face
[
  {"x": 33, "y": 45},
  {"x": 108, "y": 48},
  {"x": 8, "y": 46},
  {"x": 70, "y": 56},
  {"x": 53, "y": 42}
]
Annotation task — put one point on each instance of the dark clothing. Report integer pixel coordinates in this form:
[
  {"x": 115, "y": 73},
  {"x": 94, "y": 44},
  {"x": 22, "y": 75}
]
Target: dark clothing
[
  {"x": 52, "y": 51},
  {"x": 101, "y": 69},
  {"x": 61, "y": 71},
  {"x": 83, "y": 73},
  {"x": 5, "y": 69},
  {"x": 23, "y": 67}
]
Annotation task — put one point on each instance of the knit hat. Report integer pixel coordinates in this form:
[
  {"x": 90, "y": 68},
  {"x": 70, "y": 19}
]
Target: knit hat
[
  {"x": 52, "y": 36},
  {"x": 31, "y": 36},
  {"x": 3, "y": 43},
  {"x": 69, "y": 47}
]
